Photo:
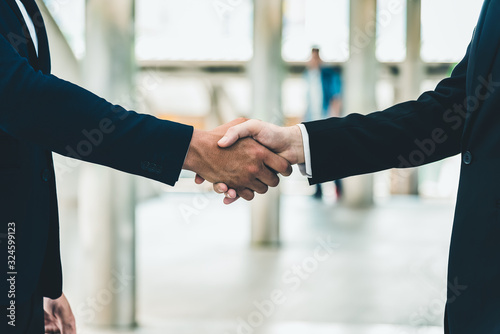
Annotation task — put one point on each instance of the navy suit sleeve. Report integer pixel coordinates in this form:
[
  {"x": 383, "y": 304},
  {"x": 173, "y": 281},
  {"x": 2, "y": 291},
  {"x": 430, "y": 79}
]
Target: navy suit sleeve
[
  {"x": 64, "y": 118},
  {"x": 406, "y": 135}
]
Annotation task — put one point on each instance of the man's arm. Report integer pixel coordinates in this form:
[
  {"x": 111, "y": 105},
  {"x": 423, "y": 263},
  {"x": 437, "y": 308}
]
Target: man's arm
[
  {"x": 64, "y": 118},
  {"x": 406, "y": 135}
]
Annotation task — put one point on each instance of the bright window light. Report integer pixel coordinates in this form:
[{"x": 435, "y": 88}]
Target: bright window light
[
  {"x": 322, "y": 23},
  {"x": 391, "y": 30},
  {"x": 214, "y": 30},
  {"x": 447, "y": 27}
]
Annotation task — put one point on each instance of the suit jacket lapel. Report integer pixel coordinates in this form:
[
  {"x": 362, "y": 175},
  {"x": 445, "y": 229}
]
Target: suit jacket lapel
[
  {"x": 43, "y": 44},
  {"x": 475, "y": 41},
  {"x": 26, "y": 35},
  {"x": 13, "y": 5},
  {"x": 487, "y": 46},
  {"x": 489, "y": 41}
]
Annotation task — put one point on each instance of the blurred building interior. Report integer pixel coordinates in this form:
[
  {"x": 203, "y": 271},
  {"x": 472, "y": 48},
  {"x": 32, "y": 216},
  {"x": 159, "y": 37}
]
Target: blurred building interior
[{"x": 141, "y": 257}]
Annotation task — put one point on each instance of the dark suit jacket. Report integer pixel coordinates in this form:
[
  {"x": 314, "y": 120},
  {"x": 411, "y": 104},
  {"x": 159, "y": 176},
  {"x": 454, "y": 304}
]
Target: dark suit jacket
[
  {"x": 462, "y": 116},
  {"x": 40, "y": 113}
]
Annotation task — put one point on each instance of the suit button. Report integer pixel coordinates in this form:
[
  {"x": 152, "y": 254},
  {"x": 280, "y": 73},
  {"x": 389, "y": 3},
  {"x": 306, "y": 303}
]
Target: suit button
[
  {"x": 467, "y": 158},
  {"x": 45, "y": 175}
]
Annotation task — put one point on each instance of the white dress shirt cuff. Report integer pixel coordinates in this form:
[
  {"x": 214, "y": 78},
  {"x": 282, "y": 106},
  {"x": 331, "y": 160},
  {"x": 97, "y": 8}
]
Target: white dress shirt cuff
[{"x": 305, "y": 168}]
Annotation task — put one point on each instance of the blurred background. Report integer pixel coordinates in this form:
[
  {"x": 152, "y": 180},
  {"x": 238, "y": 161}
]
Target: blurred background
[{"x": 367, "y": 255}]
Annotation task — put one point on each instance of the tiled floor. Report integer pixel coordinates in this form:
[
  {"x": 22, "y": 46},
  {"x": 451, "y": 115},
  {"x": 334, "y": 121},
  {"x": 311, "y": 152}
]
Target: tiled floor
[
  {"x": 285, "y": 328},
  {"x": 379, "y": 270}
]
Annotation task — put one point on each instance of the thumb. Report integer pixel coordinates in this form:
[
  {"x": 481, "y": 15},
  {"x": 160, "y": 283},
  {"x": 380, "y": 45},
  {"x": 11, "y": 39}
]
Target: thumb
[
  {"x": 69, "y": 328},
  {"x": 243, "y": 130}
]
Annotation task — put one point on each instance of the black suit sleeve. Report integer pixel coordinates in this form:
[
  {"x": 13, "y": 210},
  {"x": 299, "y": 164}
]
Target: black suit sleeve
[
  {"x": 64, "y": 118},
  {"x": 406, "y": 135}
]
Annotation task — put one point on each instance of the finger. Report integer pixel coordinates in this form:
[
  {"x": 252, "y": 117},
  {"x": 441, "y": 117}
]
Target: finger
[
  {"x": 228, "y": 201},
  {"x": 231, "y": 198},
  {"x": 246, "y": 129},
  {"x": 220, "y": 188},
  {"x": 68, "y": 323},
  {"x": 259, "y": 187},
  {"x": 69, "y": 328},
  {"x": 278, "y": 164},
  {"x": 198, "y": 179},
  {"x": 51, "y": 328},
  {"x": 246, "y": 194},
  {"x": 231, "y": 193},
  {"x": 49, "y": 322},
  {"x": 268, "y": 177}
]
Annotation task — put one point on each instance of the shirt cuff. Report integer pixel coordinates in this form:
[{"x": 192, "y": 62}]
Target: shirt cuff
[{"x": 305, "y": 168}]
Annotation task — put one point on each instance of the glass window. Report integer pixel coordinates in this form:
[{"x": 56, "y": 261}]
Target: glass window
[
  {"x": 447, "y": 27},
  {"x": 70, "y": 17},
  {"x": 194, "y": 29},
  {"x": 322, "y": 23},
  {"x": 391, "y": 30}
]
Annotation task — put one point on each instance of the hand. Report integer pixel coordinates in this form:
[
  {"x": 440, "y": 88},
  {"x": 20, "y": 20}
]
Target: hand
[
  {"x": 245, "y": 167},
  {"x": 58, "y": 316},
  {"x": 285, "y": 141}
]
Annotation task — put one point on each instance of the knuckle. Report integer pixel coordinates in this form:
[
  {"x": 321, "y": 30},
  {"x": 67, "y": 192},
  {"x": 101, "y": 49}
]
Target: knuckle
[
  {"x": 259, "y": 152},
  {"x": 258, "y": 155},
  {"x": 253, "y": 169}
]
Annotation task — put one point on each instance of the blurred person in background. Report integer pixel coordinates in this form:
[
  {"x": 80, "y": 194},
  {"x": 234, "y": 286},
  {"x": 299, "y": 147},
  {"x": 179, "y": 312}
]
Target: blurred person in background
[
  {"x": 324, "y": 99},
  {"x": 41, "y": 114}
]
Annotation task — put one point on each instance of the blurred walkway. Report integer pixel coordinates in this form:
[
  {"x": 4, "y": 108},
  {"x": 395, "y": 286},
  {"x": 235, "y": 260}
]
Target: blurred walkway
[{"x": 373, "y": 271}]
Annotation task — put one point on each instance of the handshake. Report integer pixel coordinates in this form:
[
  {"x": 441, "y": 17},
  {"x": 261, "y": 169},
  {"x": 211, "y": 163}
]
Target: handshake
[{"x": 243, "y": 157}]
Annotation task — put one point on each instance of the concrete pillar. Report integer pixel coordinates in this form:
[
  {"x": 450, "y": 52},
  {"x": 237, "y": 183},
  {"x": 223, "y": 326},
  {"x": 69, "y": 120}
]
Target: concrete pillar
[
  {"x": 413, "y": 67},
  {"x": 266, "y": 72},
  {"x": 360, "y": 79},
  {"x": 107, "y": 197},
  {"x": 412, "y": 72}
]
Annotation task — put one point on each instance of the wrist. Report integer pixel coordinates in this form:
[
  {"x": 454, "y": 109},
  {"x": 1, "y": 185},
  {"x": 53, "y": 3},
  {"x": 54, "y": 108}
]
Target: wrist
[
  {"x": 296, "y": 144},
  {"x": 193, "y": 154}
]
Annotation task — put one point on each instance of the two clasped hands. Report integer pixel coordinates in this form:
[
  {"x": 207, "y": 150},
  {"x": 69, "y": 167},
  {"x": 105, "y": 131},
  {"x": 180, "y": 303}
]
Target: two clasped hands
[{"x": 243, "y": 157}]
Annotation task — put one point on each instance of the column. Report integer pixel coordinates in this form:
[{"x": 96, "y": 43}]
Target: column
[
  {"x": 412, "y": 72},
  {"x": 106, "y": 196},
  {"x": 360, "y": 78},
  {"x": 266, "y": 73}
]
